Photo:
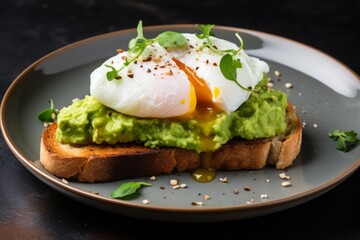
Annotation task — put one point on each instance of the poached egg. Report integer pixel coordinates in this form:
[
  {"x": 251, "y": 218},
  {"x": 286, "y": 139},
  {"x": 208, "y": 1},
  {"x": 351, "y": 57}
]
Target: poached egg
[{"x": 165, "y": 83}]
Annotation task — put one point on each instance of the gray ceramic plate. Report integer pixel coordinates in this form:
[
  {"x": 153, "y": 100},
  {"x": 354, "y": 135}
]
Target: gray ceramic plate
[{"x": 324, "y": 91}]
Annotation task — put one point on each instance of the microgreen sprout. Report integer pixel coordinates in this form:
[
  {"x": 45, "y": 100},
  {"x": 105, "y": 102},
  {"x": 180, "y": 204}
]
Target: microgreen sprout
[
  {"x": 137, "y": 46},
  {"x": 229, "y": 63}
]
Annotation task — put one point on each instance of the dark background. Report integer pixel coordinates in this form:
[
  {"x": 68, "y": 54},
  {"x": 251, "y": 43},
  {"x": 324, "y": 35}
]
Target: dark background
[{"x": 31, "y": 29}]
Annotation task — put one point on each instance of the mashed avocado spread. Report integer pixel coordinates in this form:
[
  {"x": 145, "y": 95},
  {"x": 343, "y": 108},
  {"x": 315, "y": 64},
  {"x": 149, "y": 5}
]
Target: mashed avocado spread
[{"x": 88, "y": 121}]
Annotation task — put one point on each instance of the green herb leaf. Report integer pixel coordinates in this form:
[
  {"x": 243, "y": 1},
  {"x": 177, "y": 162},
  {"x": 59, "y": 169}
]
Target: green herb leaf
[
  {"x": 206, "y": 31},
  {"x": 228, "y": 67},
  {"x": 48, "y": 115},
  {"x": 140, "y": 35},
  {"x": 127, "y": 189},
  {"x": 171, "y": 39},
  {"x": 345, "y": 140},
  {"x": 111, "y": 75}
]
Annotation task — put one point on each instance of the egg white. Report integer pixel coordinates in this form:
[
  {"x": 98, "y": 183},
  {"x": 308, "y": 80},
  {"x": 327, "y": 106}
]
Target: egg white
[{"x": 154, "y": 88}]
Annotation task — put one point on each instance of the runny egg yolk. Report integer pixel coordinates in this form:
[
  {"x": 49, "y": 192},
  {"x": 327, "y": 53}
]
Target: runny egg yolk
[{"x": 205, "y": 113}]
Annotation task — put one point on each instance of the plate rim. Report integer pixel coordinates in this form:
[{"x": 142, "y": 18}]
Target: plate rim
[{"x": 39, "y": 173}]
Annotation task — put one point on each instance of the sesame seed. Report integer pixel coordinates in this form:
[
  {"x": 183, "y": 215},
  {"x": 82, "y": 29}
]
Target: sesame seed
[
  {"x": 270, "y": 85},
  {"x": 64, "y": 181},
  {"x": 264, "y": 196},
  {"x": 207, "y": 197},
  {"x": 197, "y": 203},
  {"x": 267, "y": 180},
  {"x": 176, "y": 187},
  {"x": 286, "y": 184},
  {"x": 152, "y": 178},
  {"x": 236, "y": 191},
  {"x": 277, "y": 73},
  {"x": 284, "y": 176},
  {"x": 157, "y": 59},
  {"x": 173, "y": 182},
  {"x": 249, "y": 202},
  {"x": 288, "y": 85},
  {"x": 315, "y": 125},
  {"x": 224, "y": 180},
  {"x": 145, "y": 201},
  {"x": 183, "y": 185}
]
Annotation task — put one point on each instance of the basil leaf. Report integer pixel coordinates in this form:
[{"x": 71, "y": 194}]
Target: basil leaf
[
  {"x": 171, "y": 39},
  {"x": 48, "y": 115},
  {"x": 127, "y": 189}
]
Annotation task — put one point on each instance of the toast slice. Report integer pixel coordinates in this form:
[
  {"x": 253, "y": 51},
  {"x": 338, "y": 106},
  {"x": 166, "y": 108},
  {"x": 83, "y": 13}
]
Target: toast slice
[{"x": 101, "y": 163}]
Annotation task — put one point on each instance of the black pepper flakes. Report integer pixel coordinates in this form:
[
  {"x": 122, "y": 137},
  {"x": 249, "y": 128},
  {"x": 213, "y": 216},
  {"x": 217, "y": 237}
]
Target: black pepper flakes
[
  {"x": 147, "y": 59},
  {"x": 247, "y": 188}
]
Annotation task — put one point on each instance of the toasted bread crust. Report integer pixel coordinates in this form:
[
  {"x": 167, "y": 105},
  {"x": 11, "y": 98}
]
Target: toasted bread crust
[{"x": 101, "y": 163}]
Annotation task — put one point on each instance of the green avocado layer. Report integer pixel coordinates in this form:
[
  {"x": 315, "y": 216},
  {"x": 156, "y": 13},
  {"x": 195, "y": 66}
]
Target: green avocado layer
[{"x": 88, "y": 121}]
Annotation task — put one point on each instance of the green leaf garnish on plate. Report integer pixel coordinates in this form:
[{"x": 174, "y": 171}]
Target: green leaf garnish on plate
[
  {"x": 127, "y": 189},
  {"x": 344, "y": 140},
  {"x": 48, "y": 115}
]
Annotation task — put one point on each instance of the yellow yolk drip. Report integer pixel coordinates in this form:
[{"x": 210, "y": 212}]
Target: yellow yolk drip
[
  {"x": 205, "y": 113},
  {"x": 203, "y": 92}
]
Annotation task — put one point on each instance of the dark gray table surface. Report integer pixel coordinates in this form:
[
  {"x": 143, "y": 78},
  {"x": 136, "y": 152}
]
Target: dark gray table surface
[{"x": 29, "y": 209}]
